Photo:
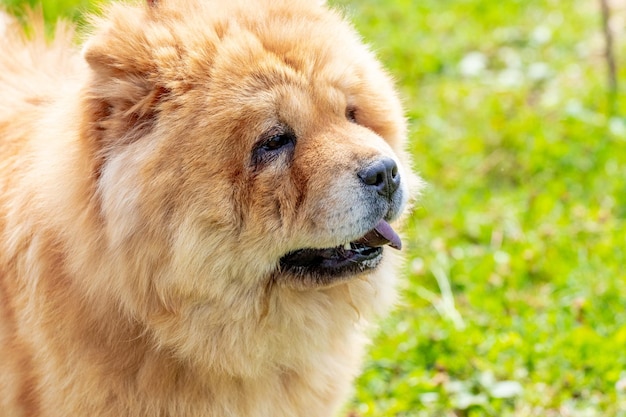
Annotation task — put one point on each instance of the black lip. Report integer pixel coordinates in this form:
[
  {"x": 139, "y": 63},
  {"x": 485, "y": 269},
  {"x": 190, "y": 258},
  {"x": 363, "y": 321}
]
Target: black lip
[{"x": 332, "y": 262}]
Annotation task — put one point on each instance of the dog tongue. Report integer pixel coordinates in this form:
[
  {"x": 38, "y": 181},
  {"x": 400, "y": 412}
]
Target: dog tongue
[{"x": 381, "y": 235}]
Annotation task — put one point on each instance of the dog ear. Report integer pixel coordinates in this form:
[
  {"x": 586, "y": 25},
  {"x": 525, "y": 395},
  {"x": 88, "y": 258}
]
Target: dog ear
[{"x": 123, "y": 92}]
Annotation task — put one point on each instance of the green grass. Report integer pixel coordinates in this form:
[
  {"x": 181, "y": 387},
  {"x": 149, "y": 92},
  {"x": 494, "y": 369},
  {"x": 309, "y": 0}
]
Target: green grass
[
  {"x": 514, "y": 302},
  {"x": 524, "y": 218}
]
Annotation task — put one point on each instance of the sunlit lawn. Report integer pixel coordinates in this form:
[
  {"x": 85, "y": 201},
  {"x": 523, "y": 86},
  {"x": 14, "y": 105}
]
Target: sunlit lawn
[{"x": 514, "y": 302}]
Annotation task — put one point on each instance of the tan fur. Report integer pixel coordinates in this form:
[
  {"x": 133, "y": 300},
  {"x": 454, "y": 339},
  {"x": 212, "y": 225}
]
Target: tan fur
[{"x": 139, "y": 246}]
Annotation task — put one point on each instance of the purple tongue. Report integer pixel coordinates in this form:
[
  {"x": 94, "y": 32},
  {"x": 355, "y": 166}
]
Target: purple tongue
[{"x": 382, "y": 235}]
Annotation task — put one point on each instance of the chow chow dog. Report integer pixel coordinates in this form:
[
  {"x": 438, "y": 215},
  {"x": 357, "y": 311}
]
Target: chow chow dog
[{"x": 197, "y": 211}]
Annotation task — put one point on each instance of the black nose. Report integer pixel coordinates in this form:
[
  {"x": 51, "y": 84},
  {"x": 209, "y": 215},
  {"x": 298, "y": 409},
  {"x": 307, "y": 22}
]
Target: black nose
[{"x": 382, "y": 175}]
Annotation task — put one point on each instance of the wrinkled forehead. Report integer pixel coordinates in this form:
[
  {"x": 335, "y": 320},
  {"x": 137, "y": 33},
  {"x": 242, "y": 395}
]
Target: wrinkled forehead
[
  {"x": 260, "y": 77},
  {"x": 254, "y": 74}
]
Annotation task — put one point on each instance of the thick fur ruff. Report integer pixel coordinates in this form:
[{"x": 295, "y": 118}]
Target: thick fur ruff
[{"x": 151, "y": 184}]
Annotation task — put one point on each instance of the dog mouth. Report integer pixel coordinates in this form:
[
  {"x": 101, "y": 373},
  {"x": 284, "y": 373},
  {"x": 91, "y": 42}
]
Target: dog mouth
[{"x": 352, "y": 258}]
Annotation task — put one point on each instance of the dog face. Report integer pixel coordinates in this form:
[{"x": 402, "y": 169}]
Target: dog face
[{"x": 244, "y": 153}]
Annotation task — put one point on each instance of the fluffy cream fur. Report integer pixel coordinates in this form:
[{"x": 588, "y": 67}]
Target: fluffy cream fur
[{"x": 140, "y": 246}]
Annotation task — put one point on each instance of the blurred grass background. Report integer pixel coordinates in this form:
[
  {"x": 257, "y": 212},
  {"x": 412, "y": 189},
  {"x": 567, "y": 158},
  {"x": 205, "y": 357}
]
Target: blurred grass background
[{"x": 514, "y": 302}]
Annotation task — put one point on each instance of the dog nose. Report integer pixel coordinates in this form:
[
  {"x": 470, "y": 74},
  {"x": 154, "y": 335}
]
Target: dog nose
[{"x": 382, "y": 175}]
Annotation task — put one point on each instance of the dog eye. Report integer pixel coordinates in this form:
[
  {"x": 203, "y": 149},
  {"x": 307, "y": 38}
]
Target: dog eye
[
  {"x": 278, "y": 141},
  {"x": 272, "y": 145}
]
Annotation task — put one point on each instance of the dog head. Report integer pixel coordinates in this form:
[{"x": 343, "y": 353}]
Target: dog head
[{"x": 250, "y": 155}]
